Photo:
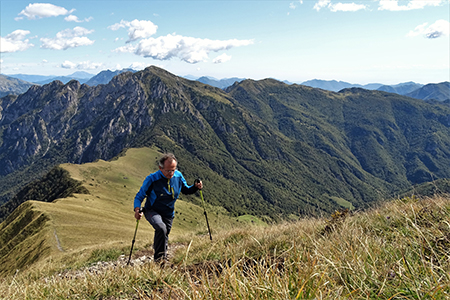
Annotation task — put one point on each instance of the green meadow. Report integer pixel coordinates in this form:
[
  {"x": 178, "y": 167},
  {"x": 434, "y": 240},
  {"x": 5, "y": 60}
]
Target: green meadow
[
  {"x": 398, "y": 250},
  {"x": 103, "y": 218}
]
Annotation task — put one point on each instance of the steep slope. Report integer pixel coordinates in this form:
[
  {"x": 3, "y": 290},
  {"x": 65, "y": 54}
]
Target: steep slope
[
  {"x": 432, "y": 91},
  {"x": 401, "y": 88},
  {"x": 105, "y": 76},
  {"x": 13, "y": 86},
  {"x": 24, "y": 238},
  {"x": 396, "y": 139},
  {"x": 267, "y": 148},
  {"x": 55, "y": 184},
  {"x": 98, "y": 218}
]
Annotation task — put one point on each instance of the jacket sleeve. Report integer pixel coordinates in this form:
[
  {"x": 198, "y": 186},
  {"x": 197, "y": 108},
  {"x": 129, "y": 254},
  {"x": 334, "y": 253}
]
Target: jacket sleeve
[
  {"x": 142, "y": 193},
  {"x": 187, "y": 189}
]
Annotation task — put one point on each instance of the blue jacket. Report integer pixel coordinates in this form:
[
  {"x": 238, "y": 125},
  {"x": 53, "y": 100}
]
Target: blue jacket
[{"x": 162, "y": 193}]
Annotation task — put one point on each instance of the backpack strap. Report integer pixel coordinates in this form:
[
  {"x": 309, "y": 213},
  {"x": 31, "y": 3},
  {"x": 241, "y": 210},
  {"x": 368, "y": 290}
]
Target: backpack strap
[{"x": 149, "y": 190}]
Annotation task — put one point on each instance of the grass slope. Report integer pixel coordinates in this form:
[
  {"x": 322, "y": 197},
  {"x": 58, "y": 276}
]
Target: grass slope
[
  {"x": 101, "y": 219},
  {"x": 399, "y": 250}
]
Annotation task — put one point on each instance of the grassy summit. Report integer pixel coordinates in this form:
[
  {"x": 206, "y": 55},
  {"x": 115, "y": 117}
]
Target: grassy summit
[
  {"x": 399, "y": 250},
  {"x": 100, "y": 218}
]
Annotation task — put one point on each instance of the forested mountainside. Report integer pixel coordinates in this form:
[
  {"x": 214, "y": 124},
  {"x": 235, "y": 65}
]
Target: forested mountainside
[{"x": 267, "y": 147}]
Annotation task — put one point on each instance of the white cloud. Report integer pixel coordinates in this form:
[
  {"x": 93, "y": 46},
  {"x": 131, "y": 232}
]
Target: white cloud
[
  {"x": 222, "y": 58},
  {"x": 292, "y": 5},
  {"x": 393, "y": 5},
  {"x": 321, "y": 4},
  {"x": 68, "y": 65},
  {"x": 87, "y": 65},
  {"x": 138, "y": 66},
  {"x": 69, "y": 38},
  {"x": 15, "y": 41},
  {"x": 188, "y": 49},
  {"x": 346, "y": 7},
  {"x": 43, "y": 10},
  {"x": 73, "y": 18},
  {"x": 126, "y": 49},
  {"x": 136, "y": 29},
  {"x": 75, "y": 32},
  {"x": 435, "y": 30},
  {"x": 335, "y": 7},
  {"x": 84, "y": 65}
]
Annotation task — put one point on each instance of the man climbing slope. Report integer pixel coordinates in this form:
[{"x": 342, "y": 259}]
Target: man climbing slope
[{"x": 162, "y": 189}]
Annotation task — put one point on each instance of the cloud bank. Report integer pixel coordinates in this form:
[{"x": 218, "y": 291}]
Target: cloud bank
[
  {"x": 136, "y": 29},
  {"x": 222, "y": 58},
  {"x": 73, "y": 18},
  {"x": 393, "y": 5},
  {"x": 69, "y": 38},
  {"x": 189, "y": 49},
  {"x": 389, "y": 5},
  {"x": 15, "y": 42},
  {"x": 335, "y": 7},
  {"x": 84, "y": 65},
  {"x": 437, "y": 29},
  {"x": 42, "y": 10}
]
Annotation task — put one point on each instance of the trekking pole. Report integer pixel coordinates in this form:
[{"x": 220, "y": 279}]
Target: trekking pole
[
  {"x": 134, "y": 238},
  {"x": 204, "y": 210}
]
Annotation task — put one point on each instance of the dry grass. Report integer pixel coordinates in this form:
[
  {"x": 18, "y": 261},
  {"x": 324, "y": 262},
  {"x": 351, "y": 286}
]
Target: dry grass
[
  {"x": 400, "y": 250},
  {"x": 73, "y": 227}
]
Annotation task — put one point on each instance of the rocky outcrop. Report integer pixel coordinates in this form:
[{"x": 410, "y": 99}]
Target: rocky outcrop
[
  {"x": 291, "y": 148},
  {"x": 82, "y": 123}
]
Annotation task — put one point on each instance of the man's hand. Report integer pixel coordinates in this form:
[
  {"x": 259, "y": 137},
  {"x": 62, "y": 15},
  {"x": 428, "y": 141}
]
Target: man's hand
[
  {"x": 137, "y": 213},
  {"x": 198, "y": 184}
]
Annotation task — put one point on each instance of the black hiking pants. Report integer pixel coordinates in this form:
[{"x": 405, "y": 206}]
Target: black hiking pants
[{"x": 162, "y": 226}]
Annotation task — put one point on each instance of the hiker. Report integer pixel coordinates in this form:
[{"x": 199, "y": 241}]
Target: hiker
[{"x": 162, "y": 189}]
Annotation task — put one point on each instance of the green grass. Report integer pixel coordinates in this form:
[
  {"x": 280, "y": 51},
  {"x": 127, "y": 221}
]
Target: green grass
[
  {"x": 400, "y": 250},
  {"x": 250, "y": 220},
  {"x": 82, "y": 224},
  {"x": 104, "y": 255}
]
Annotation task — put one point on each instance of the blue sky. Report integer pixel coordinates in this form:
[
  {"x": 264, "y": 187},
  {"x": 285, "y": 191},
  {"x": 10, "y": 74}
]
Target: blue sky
[{"x": 383, "y": 41}]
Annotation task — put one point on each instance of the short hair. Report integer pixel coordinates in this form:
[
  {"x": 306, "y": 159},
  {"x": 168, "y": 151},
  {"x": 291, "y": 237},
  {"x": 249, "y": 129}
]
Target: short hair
[{"x": 167, "y": 156}]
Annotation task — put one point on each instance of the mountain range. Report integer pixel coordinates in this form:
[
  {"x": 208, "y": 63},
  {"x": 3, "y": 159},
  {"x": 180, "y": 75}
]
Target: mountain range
[
  {"x": 433, "y": 92},
  {"x": 336, "y": 86},
  {"x": 105, "y": 76},
  {"x": 13, "y": 86},
  {"x": 220, "y": 83},
  {"x": 402, "y": 88},
  {"x": 437, "y": 91},
  {"x": 81, "y": 76},
  {"x": 281, "y": 149}
]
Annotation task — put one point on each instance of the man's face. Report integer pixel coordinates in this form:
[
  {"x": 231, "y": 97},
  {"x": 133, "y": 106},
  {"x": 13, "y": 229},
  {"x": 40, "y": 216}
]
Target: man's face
[{"x": 169, "y": 168}]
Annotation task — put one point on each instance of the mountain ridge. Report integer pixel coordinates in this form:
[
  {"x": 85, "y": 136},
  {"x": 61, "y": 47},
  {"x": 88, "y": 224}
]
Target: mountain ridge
[
  {"x": 284, "y": 149},
  {"x": 105, "y": 76},
  {"x": 13, "y": 86},
  {"x": 90, "y": 205},
  {"x": 432, "y": 91},
  {"x": 220, "y": 83},
  {"x": 336, "y": 86}
]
